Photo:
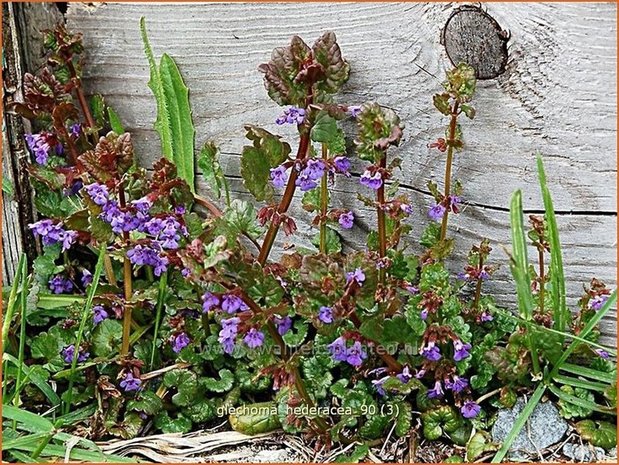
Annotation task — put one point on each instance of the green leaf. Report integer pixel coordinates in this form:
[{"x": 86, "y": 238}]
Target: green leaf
[
  {"x": 97, "y": 104},
  {"x": 255, "y": 418},
  {"x": 146, "y": 402},
  {"x": 571, "y": 410},
  {"x": 208, "y": 161},
  {"x": 600, "y": 433},
  {"x": 519, "y": 262},
  {"x": 239, "y": 218},
  {"x": 336, "y": 70},
  {"x": 374, "y": 427},
  {"x": 7, "y": 187},
  {"x": 168, "y": 425},
  {"x": 441, "y": 102},
  {"x": 378, "y": 129},
  {"x": 584, "y": 403},
  {"x": 334, "y": 243},
  {"x": 581, "y": 383},
  {"x": 561, "y": 313},
  {"x": 325, "y": 130},
  {"x": 357, "y": 455},
  {"x": 48, "y": 347},
  {"x": 186, "y": 384},
  {"x": 223, "y": 384},
  {"x": 404, "y": 419},
  {"x": 480, "y": 442},
  {"x": 588, "y": 372},
  {"x": 27, "y": 420},
  {"x": 201, "y": 411},
  {"x": 440, "y": 420},
  {"x": 37, "y": 376},
  {"x": 106, "y": 338},
  {"x": 115, "y": 122}
]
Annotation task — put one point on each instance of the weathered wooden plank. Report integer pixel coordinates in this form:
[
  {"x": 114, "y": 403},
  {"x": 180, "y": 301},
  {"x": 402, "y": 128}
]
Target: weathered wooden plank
[{"x": 553, "y": 98}]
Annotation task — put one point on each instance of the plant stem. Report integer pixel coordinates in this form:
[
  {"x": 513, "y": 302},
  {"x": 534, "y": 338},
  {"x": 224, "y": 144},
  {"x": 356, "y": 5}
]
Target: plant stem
[
  {"x": 324, "y": 198},
  {"x": 450, "y": 153},
  {"x": 42, "y": 445},
  {"x": 479, "y": 282},
  {"x": 109, "y": 270},
  {"x": 8, "y": 317},
  {"x": 542, "y": 279},
  {"x": 382, "y": 227},
  {"x": 160, "y": 297},
  {"x": 82, "y": 99},
  {"x": 128, "y": 285},
  {"x": 24, "y": 284}
]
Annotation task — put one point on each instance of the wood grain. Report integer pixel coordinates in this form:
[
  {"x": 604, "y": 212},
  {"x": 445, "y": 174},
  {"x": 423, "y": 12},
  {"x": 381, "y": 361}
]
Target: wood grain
[{"x": 557, "y": 97}]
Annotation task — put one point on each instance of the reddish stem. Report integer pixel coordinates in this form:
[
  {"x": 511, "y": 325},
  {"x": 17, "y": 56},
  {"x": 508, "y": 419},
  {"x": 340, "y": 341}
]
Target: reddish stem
[
  {"x": 450, "y": 152},
  {"x": 382, "y": 228}
]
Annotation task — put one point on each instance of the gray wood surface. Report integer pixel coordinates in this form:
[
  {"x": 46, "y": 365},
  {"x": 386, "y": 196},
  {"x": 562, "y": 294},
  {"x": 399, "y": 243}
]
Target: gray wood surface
[{"x": 557, "y": 97}]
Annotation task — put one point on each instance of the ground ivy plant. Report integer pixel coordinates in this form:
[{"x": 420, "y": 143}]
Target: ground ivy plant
[{"x": 153, "y": 308}]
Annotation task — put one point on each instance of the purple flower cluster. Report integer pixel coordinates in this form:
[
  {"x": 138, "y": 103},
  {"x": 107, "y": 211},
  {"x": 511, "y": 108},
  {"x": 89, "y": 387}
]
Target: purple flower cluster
[
  {"x": 292, "y": 115},
  {"x": 60, "y": 285},
  {"x": 373, "y": 181},
  {"x": 228, "y": 333},
  {"x": 310, "y": 175},
  {"x": 99, "y": 314},
  {"x": 166, "y": 230},
  {"x": 53, "y": 233},
  {"x": 358, "y": 275},
  {"x": 130, "y": 383},
  {"x": 148, "y": 255},
  {"x": 209, "y": 302},
  {"x": 279, "y": 176},
  {"x": 180, "y": 341},
  {"x": 346, "y": 220},
  {"x": 431, "y": 352},
  {"x": 598, "y": 302},
  {"x": 456, "y": 384},
  {"x": 342, "y": 165},
  {"x": 99, "y": 193},
  {"x": 39, "y": 146},
  {"x": 68, "y": 353},
  {"x": 231, "y": 303},
  {"x": 353, "y": 355},
  {"x": 436, "y": 212}
]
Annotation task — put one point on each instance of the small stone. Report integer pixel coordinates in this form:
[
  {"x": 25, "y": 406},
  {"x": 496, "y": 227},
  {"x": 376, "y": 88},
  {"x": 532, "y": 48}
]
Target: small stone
[
  {"x": 583, "y": 453},
  {"x": 613, "y": 453},
  {"x": 544, "y": 428}
]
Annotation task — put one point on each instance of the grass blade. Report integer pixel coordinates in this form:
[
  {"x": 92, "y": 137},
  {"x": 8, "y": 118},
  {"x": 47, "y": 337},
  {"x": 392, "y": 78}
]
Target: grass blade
[
  {"x": 519, "y": 423},
  {"x": 54, "y": 301},
  {"x": 560, "y": 311},
  {"x": 592, "y": 323},
  {"x": 587, "y": 372},
  {"x": 24, "y": 284},
  {"x": 163, "y": 283},
  {"x": 115, "y": 123},
  {"x": 28, "y": 421},
  {"x": 581, "y": 383},
  {"x": 37, "y": 380},
  {"x": 12, "y": 304},
  {"x": 580, "y": 402},
  {"x": 92, "y": 289}
]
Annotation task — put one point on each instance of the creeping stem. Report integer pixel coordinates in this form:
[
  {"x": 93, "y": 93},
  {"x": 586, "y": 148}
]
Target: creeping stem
[
  {"x": 479, "y": 281},
  {"x": 128, "y": 285},
  {"x": 324, "y": 197},
  {"x": 450, "y": 153},
  {"x": 382, "y": 229}
]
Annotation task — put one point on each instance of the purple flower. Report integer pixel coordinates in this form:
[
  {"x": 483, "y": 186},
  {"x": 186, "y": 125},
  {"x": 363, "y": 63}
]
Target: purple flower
[
  {"x": 86, "y": 277},
  {"x": 338, "y": 349},
  {"x": 470, "y": 409},
  {"x": 145, "y": 255},
  {"x": 283, "y": 324},
  {"x": 373, "y": 181},
  {"x": 431, "y": 352},
  {"x": 436, "y": 391},
  {"x": 424, "y": 314},
  {"x": 346, "y": 220},
  {"x": 180, "y": 342},
  {"x": 457, "y": 384},
  {"x": 254, "y": 338},
  {"x": 228, "y": 333},
  {"x": 129, "y": 383},
  {"x": 75, "y": 129},
  {"x": 210, "y": 301},
  {"x": 378, "y": 385},
  {"x": 325, "y": 314},
  {"x": 356, "y": 354},
  {"x": 232, "y": 303},
  {"x": 60, "y": 285},
  {"x": 436, "y": 212},
  {"x": 39, "y": 146},
  {"x": 342, "y": 165},
  {"x": 166, "y": 230},
  {"x": 142, "y": 205},
  {"x": 292, "y": 115},
  {"x": 598, "y": 302},
  {"x": 461, "y": 350},
  {"x": 485, "y": 316},
  {"x": 99, "y": 314},
  {"x": 405, "y": 376},
  {"x": 602, "y": 353},
  {"x": 185, "y": 272},
  {"x": 413, "y": 289},
  {"x": 68, "y": 353},
  {"x": 420, "y": 374},
  {"x": 98, "y": 193},
  {"x": 53, "y": 233},
  {"x": 454, "y": 201},
  {"x": 406, "y": 208},
  {"x": 308, "y": 177},
  {"x": 358, "y": 275},
  {"x": 279, "y": 176},
  {"x": 354, "y": 110}
]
